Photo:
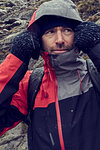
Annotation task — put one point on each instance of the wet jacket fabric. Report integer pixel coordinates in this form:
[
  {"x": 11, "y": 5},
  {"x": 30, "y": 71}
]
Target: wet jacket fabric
[
  {"x": 62, "y": 8},
  {"x": 78, "y": 117},
  {"x": 69, "y": 123}
]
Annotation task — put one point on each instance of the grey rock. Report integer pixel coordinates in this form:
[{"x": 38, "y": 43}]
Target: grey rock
[
  {"x": 4, "y": 31},
  {"x": 98, "y": 21},
  {"x": 1, "y": 3},
  {"x": 10, "y": 20},
  {"x": 1, "y": 32},
  {"x": 2, "y": 12},
  {"x": 9, "y": 4},
  {"x": 15, "y": 139},
  {"x": 35, "y": 64}
]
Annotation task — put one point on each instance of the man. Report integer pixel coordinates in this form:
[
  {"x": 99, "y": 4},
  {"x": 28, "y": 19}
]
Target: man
[{"x": 66, "y": 111}]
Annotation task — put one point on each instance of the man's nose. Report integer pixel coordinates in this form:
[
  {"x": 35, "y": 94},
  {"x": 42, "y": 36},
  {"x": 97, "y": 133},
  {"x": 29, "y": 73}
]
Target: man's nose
[{"x": 59, "y": 38}]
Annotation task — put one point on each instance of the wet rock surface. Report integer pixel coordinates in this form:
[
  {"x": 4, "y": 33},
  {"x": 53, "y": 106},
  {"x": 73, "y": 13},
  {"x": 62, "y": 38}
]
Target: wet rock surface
[
  {"x": 15, "y": 139},
  {"x": 14, "y": 18}
]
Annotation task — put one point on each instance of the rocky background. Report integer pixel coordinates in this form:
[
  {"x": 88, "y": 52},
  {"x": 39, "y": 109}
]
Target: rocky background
[{"x": 14, "y": 18}]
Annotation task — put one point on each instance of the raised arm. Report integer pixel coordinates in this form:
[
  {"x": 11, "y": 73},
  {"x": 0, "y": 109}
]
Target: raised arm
[
  {"x": 14, "y": 80},
  {"x": 87, "y": 39}
]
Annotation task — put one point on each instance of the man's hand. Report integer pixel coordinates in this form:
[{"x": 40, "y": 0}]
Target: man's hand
[
  {"x": 26, "y": 45},
  {"x": 87, "y": 36}
]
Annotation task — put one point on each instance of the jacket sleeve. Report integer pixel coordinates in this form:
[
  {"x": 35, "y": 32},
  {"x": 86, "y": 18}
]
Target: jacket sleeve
[
  {"x": 94, "y": 55},
  {"x": 13, "y": 92}
]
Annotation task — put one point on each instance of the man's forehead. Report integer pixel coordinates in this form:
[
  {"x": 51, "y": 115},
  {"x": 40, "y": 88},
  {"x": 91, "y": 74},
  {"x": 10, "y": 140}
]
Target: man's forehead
[
  {"x": 59, "y": 28},
  {"x": 49, "y": 22}
]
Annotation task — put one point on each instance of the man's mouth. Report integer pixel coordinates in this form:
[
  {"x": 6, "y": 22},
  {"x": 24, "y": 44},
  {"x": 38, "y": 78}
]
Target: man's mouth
[{"x": 58, "y": 51}]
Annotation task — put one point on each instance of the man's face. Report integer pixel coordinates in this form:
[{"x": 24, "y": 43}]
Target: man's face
[{"x": 58, "y": 40}]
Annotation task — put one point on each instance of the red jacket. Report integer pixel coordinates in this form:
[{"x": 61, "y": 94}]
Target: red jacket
[
  {"x": 54, "y": 126},
  {"x": 45, "y": 96}
]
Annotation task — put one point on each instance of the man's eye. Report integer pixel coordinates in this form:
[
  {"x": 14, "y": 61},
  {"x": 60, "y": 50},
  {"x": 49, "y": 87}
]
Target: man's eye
[
  {"x": 67, "y": 31},
  {"x": 49, "y": 32}
]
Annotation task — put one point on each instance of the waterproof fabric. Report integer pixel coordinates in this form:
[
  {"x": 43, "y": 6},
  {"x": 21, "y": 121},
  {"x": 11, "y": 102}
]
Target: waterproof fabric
[
  {"x": 71, "y": 71},
  {"x": 80, "y": 121},
  {"x": 61, "y": 8}
]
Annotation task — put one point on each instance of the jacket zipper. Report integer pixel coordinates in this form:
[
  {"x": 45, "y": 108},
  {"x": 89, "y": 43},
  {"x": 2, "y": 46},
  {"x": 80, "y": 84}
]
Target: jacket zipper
[
  {"x": 58, "y": 117},
  {"x": 57, "y": 109}
]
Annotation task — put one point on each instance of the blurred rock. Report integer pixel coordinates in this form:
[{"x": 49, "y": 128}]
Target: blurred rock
[
  {"x": 94, "y": 18},
  {"x": 15, "y": 139},
  {"x": 9, "y": 4},
  {"x": 2, "y": 12},
  {"x": 98, "y": 22},
  {"x": 88, "y": 8}
]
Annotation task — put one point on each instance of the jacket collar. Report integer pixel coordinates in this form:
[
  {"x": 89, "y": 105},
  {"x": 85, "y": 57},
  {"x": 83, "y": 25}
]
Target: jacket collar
[{"x": 64, "y": 64}]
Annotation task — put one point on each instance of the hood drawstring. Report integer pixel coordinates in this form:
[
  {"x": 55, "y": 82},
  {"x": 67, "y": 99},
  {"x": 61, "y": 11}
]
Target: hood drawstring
[
  {"x": 58, "y": 117},
  {"x": 80, "y": 82},
  {"x": 48, "y": 72}
]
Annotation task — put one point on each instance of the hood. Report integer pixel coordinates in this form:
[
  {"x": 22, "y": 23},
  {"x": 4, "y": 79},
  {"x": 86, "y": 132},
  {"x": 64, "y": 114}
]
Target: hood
[{"x": 61, "y": 8}]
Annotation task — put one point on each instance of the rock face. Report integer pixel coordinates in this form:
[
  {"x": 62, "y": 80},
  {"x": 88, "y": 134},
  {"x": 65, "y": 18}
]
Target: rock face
[
  {"x": 14, "y": 18},
  {"x": 15, "y": 139}
]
